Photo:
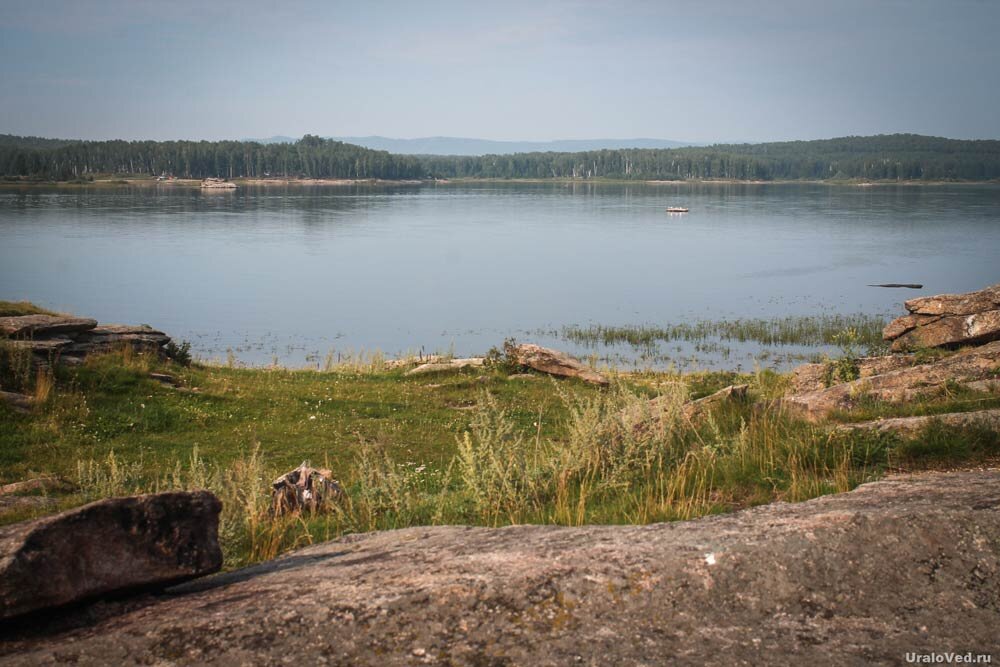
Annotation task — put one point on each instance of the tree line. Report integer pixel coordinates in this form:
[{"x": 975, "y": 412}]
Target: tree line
[{"x": 882, "y": 157}]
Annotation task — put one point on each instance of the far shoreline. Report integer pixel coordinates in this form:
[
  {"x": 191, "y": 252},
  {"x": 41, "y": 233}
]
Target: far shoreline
[{"x": 111, "y": 181}]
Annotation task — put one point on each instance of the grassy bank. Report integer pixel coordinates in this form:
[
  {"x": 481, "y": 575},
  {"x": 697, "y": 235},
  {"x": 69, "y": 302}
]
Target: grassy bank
[{"x": 474, "y": 447}]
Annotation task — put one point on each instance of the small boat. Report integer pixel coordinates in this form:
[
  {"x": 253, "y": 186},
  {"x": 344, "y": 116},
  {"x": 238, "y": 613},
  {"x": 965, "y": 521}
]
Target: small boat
[
  {"x": 677, "y": 209},
  {"x": 217, "y": 183}
]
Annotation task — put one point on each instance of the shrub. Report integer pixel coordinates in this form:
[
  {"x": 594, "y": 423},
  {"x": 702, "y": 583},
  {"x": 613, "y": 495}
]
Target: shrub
[
  {"x": 179, "y": 353},
  {"x": 503, "y": 359}
]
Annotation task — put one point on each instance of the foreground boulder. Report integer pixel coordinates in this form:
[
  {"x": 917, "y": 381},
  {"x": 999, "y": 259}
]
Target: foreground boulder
[
  {"x": 947, "y": 320},
  {"x": 554, "y": 362},
  {"x": 106, "y": 547},
  {"x": 907, "y": 565},
  {"x": 975, "y": 367}
]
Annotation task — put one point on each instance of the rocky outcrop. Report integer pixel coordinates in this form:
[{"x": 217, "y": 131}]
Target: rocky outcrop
[
  {"x": 109, "y": 546},
  {"x": 17, "y": 402},
  {"x": 978, "y": 364},
  {"x": 43, "y": 326},
  {"x": 660, "y": 412},
  {"x": 895, "y": 567},
  {"x": 447, "y": 365},
  {"x": 698, "y": 409},
  {"x": 45, "y": 484},
  {"x": 406, "y": 362},
  {"x": 51, "y": 338},
  {"x": 555, "y": 363},
  {"x": 969, "y": 303},
  {"x": 11, "y": 499},
  {"x": 813, "y": 377},
  {"x": 909, "y": 426},
  {"x": 947, "y": 320},
  {"x": 108, "y": 337}
]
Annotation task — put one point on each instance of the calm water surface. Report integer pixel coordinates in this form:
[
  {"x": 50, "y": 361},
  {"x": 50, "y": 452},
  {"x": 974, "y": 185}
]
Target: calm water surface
[{"x": 295, "y": 272}]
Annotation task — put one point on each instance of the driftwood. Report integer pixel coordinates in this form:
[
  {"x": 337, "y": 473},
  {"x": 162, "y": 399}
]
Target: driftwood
[
  {"x": 304, "y": 488},
  {"x": 907, "y": 285}
]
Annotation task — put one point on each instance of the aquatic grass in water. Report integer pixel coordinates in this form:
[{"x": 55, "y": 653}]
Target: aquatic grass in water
[{"x": 792, "y": 330}]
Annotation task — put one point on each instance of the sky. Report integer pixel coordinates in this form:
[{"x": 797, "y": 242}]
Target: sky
[{"x": 699, "y": 71}]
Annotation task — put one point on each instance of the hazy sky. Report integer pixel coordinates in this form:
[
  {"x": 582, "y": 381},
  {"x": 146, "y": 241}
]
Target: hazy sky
[{"x": 694, "y": 71}]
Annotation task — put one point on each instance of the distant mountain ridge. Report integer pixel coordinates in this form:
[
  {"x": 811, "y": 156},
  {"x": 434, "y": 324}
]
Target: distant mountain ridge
[{"x": 470, "y": 146}]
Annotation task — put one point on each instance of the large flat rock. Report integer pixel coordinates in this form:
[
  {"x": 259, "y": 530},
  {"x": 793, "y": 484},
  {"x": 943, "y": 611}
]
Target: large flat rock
[
  {"x": 41, "y": 326},
  {"x": 447, "y": 365},
  {"x": 978, "y": 364},
  {"x": 911, "y": 426},
  {"x": 109, "y": 546},
  {"x": 813, "y": 377},
  {"x": 556, "y": 363},
  {"x": 951, "y": 331},
  {"x": 908, "y": 565},
  {"x": 947, "y": 320},
  {"x": 956, "y": 304}
]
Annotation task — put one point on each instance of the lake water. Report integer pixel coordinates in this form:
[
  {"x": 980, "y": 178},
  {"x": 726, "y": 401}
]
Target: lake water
[{"x": 293, "y": 272}]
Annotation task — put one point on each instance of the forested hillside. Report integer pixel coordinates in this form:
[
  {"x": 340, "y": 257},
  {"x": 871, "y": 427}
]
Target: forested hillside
[
  {"x": 882, "y": 157},
  {"x": 310, "y": 157},
  {"x": 897, "y": 156}
]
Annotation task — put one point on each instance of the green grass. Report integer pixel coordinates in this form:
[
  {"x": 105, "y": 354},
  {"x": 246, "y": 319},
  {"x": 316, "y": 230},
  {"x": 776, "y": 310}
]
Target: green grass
[
  {"x": 470, "y": 447},
  {"x": 18, "y": 308}
]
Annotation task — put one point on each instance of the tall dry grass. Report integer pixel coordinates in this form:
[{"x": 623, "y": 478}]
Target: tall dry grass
[{"x": 618, "y": 458}]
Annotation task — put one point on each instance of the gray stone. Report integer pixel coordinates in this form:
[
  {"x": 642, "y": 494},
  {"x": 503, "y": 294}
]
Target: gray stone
[
  {"x": 903, "y": 565},
  {"x": 17, "y": 402},
  {"x": 910, "y": 426},
  {"x": 406, "y": 362},
  {"x": 947, "y": 320},
  {"x": 448, "y": 365},
  {"x": 951, "y": 331},
  {"x": 555, "y": 363},
  {"x": 698, "y": 409},
  {"x": 40, "y": 326},
  {"x": 43, "y": 346},
  {"x": 660, "y": 412},
  {"x": 105, "y": 547},
  {"x": 813, "y": 377},
  {"x": 956, "y": 304},
  {"x": 36, "y": 484},
  {"x": 902, "y": 325}
]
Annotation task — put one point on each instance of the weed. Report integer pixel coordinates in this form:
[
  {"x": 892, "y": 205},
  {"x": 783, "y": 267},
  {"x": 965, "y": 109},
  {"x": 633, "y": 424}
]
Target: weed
[
  {"x": 181, "y": 354},
  {"x": 844, "y": 368},
  {"x": 504, "y": 359},
  {"x": 16, "y": 366}
]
